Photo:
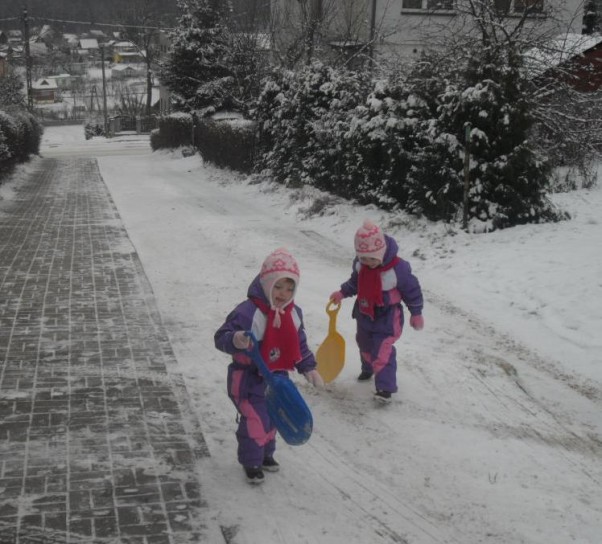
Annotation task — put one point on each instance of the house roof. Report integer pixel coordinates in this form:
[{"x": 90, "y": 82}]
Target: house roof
[
  {"x": 559, "y": 50},
  {"x": 122, "y": 67},
  {"x": 45, "y": 83},
  {"x": 124, "y": 44},
  {"x": 88, "y": 43},
  {"x": 125, "y": 54}
]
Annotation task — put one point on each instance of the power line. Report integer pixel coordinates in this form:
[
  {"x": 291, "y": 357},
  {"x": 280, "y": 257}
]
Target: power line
[{"x": 112, "y": 25}]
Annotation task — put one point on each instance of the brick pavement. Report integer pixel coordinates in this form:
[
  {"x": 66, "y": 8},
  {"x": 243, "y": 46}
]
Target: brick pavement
[{"x": 97, "y": 440}]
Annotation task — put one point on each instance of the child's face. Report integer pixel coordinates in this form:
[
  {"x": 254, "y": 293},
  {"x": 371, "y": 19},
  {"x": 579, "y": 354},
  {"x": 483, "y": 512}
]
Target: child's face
[
  {"x": 370, "y": 262},
  {"x": 283, "y": 292}
]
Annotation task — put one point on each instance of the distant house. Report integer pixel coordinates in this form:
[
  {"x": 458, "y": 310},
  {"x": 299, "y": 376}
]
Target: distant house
[
  {"x": 126, "y": 71},
  {"x": 574, "y": 59},
  {"x": 129, "y": 57},
  {"x": 63, "y": 81},
  {"x": 99, "y": 35},
  {"x": 45, "y": 91},
  {"x": 71, "y": 40},
  {"x": 15, "y": 37},
  {"x": 38, "y": 49},
  {"x": 127, "y": 53},
  {"x": 88, "y": 48}
]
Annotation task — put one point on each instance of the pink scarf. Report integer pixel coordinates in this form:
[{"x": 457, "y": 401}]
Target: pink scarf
[
  {"x": 280, "y": 345},
  {"x": 370, "y": 287}
]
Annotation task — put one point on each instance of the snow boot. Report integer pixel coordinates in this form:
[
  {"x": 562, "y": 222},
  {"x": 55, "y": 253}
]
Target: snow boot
[
  {"x": 254, "y": 475},
  {"x": 383, "y": 397},
  {"x": 364, "y": 376},
  {"x": 270, "y": 465}
]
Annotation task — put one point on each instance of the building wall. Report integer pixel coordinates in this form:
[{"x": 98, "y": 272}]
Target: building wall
[
  {"x": 411, "y": 31},
  {"x": 400, "y": 27}
]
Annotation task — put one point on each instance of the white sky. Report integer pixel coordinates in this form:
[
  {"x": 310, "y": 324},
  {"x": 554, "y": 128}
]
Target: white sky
[{"x": 495, "y": 435}]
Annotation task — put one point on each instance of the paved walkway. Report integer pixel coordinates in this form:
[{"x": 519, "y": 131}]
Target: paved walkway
[{"x": 97, "y": 440}]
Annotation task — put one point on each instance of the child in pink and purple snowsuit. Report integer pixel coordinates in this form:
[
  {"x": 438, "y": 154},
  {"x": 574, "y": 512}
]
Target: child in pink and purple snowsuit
[
  {"x": 277, "y": 323},
  {"x": 382, "y": 281}
]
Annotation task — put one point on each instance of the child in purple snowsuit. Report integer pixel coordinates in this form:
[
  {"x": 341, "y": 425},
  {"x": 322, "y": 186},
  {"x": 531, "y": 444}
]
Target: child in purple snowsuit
[
  {"x": 381, "y": 280},
  {"x": 277, "y": 323}
]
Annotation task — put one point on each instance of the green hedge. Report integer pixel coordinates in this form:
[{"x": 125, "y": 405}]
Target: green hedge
[
  {"x": 20, "y": 137},
  {"x": 174, "y": 130},
  {"x": 227, "y": 143}
]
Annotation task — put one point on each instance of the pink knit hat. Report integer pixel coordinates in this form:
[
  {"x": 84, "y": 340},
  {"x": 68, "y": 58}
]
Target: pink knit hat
[
  {"x": 277, "y": 265},
  {"x": 370, "y": 241}
]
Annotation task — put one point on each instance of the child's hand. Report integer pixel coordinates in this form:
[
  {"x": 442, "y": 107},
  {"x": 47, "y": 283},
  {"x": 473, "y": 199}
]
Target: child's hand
[
  {"x": 336, "y": 297},
  {"x": 241, "y": 340},
  {"x": 314, "y": 378},
  {"x": 417, "y": 322}
]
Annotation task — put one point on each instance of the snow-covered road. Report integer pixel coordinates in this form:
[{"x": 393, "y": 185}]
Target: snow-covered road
[{"x": 488, "y": 439}]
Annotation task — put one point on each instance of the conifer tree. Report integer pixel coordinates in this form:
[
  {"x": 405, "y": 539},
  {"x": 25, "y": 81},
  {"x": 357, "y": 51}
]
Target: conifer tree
[
  {"x": 196, "y": 71},
  {"x": 11, "y": 95},
  {"x": 508, "y": 181}
]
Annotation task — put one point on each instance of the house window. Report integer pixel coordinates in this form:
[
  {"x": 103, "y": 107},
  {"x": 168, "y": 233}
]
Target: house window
[
  {"x": 503, "y": 7},
  {"x": 529, "y": 5},
  {"x": 428, "y": 4},
  {"x": 518, "y": 6},
  {"x": 440, "y": 4}
]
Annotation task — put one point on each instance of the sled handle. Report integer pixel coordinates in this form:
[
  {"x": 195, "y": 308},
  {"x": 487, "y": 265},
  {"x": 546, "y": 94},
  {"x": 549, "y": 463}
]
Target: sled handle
[
  {"x": 332, "y": 309},
  {"x": 254, "y": 353}
]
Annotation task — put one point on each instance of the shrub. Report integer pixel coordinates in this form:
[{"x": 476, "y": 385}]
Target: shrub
[
  {"x": 20, "y": 136},
  {"x": 227, "y": 143},
  {"x": 174, "y": 130}
]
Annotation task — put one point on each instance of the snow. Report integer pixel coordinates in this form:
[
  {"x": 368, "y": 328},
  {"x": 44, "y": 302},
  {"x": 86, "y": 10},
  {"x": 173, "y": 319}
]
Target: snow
[
  {"x": 559, "y": 50},
  {"x": 495, "y": 435}
]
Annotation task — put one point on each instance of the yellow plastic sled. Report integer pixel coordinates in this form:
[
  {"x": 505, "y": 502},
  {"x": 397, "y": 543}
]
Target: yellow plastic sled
[{"x": 331, "y": 353}]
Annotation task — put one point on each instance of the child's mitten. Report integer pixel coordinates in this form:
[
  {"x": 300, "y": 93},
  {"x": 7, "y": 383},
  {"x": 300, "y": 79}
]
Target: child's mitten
[
  {"x": 417, "y": 322},
  {"x": 336, "y": 297},
  {"x": 314, "y": 378},
  {"x": 240, "y": 340}
]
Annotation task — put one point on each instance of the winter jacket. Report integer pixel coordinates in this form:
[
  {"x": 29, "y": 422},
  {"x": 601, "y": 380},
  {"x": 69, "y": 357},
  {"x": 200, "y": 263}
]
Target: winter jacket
[
  {"x": 248, "y": 317},
  {"x": 399, "y": 285}
]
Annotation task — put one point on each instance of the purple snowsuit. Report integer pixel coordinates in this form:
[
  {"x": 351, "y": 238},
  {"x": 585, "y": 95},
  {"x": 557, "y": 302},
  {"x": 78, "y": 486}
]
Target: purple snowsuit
[
  {"x": 375, "y": 338},
  {"x": 256, "y": 433}
]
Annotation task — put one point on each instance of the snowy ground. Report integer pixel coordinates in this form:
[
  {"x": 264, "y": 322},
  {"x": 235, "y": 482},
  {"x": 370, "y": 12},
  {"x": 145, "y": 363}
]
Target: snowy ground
[{"x": 496, "y": 433}]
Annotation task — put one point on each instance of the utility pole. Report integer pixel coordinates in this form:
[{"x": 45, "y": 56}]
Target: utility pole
[
  {"x": 104, "y": 91},
  {"x": 372, "y": 33},
  {"x": 27, "y": 60},
  {"x": 467, "y": 129}
]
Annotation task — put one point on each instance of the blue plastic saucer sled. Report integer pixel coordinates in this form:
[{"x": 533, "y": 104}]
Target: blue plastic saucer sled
[{"x": 286, "y": 406}]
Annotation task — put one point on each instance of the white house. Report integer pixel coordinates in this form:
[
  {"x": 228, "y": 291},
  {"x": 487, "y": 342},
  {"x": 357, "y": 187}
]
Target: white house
[
  {"x": 45, "y": 90},
  {"x": 405, "y": 28},
  {"x": 126, "y": 71},
  {"x": 63, "y": 81},
  {"x": 88, "y": 48}
]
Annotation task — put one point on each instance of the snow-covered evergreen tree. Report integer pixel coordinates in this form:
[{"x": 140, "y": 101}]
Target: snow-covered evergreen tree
[
  {"x": 11, "y": 92},
  {"x": 434, "y": 183},
  {"x": 195, "y": 69}
]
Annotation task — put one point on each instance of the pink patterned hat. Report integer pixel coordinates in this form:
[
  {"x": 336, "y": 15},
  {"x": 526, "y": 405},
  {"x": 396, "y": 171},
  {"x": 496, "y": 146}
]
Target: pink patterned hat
[
  {"x": 370, "y": 241},
  {"x": 277, "y": 265}
]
